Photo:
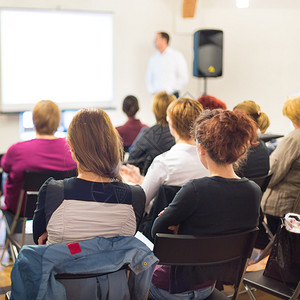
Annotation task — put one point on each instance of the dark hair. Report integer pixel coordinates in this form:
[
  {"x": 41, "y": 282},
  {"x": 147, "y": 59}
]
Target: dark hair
[
  {"x": 211, "y": 102},
  {"x": 95, "y": 143},
  {"x": 165, "y": 36},
  {"x": 130, "y": 106},
  {"x": 225, "y": 135}
]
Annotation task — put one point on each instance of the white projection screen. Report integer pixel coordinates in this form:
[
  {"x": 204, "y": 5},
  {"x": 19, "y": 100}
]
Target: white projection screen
[{"x": 63, "y": 56}]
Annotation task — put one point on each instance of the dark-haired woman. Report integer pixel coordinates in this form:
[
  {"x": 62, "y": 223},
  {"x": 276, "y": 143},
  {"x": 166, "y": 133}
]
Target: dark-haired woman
[
  {"x": 130, "y": 130},
  {"x": 96, "y": 203},
  {"x": 220, "y": 204}
]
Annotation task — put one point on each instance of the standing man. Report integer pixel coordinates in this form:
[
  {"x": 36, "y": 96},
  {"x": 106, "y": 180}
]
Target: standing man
[{"x": 167, "y": 68}]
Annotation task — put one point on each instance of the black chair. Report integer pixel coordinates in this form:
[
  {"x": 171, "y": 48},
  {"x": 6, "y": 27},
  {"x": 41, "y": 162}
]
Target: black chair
[
  {"x": 266, "y": 137},
  {"x": 270, "y": 286},
  {"x": 222, "y": 257},
  {"x": 32, "y": 182},
  {"x": 164, "y": 197},
  {"x": 1, "y": 174},
  {"x": 262, "y": 181}
]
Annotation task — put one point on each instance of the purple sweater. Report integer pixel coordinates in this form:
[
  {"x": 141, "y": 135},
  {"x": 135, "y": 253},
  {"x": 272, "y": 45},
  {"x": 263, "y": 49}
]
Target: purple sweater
[{"x": 34, "y": 155}]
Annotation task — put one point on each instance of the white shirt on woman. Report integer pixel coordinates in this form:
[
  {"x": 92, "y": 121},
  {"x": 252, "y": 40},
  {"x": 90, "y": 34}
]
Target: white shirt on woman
[{"x": 174, "y": 167}]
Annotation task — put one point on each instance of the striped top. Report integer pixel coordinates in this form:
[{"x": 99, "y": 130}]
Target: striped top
[{"x": 74, "y": 209}]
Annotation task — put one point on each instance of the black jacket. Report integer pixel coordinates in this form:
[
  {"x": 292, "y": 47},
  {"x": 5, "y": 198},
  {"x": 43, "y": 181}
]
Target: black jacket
[{"x": 150, "y": 143}]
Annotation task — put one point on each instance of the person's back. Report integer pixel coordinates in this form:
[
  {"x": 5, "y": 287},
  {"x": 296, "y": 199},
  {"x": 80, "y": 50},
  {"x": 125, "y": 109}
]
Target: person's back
[
  {"x": 256, "y": 163},
  {"x": 96, "y": 202},
  {"x": 284, "y": 186},
  {"x": 45, "y": 152},
  {"x": 130, "y": 130},
  {"x": 154, "y": 140},
  {"x": 220, "y": 204},
  {"x": 34, "y": 155},
  {"x": 105, "y": 209}
]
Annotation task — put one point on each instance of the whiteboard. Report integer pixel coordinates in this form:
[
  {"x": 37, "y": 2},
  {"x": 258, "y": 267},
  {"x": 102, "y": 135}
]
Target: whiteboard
[{"x": 63, "y": 56}]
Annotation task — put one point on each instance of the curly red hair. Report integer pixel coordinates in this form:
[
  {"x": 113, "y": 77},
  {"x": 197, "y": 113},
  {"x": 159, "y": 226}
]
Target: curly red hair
[
  {"x": 225, "y": 135},
  {"x": 211, "y": 102}
]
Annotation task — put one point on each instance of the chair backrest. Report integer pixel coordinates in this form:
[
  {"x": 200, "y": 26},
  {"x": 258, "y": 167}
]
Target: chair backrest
[
  {"x": 1, "y": 173},
  {"x": 214, "y": 253},
  {"x": 164, "y": 197},
  {"x": 262, "y": 181},
  {"x": 33, "y": 180}
]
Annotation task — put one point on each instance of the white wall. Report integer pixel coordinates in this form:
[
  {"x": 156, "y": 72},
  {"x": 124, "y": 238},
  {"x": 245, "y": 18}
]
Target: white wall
[{"x": 261, "y": 51}]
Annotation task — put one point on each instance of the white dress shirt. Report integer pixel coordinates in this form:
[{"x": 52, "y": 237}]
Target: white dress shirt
[
  {"x": 174, "y": 167},
  {"x": 166, "y": 71}
]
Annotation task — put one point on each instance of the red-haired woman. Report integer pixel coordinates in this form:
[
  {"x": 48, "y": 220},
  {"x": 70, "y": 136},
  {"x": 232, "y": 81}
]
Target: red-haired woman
[
  {"x": 220, "y": 204},
  {"x": 211, "y": 102}
]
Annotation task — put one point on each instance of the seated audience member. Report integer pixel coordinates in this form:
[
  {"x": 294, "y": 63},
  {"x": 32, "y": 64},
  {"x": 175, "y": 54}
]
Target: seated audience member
[
  {"x": 256, "y": 163},
  {"x": 45, "y": 152},
  {"x": 178, "y": 165},
  {"x": 156, "y": 139},
  {"x": 220, "y": 204},
  {"x": 96, "y": 203},
  {"x": 130, "y": 130},
  {"x": 211, "y": 102},
  {"x": 284, "y": 186}
]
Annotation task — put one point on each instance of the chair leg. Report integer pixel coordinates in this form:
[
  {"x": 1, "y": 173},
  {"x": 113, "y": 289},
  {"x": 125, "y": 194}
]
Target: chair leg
[
  {"x": 296, "y": 292},
  {"x": 4, "y": 250},
  {"x": 239, "y": 288},
  {"x": 249, "y": 292}
]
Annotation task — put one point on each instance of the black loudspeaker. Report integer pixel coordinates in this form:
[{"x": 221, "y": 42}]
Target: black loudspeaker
[{"x": 208, "y": 53}]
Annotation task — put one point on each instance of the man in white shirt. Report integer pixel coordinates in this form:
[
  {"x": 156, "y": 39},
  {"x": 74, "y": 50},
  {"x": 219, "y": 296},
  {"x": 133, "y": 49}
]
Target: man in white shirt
[{"x": 167, "y": 68}]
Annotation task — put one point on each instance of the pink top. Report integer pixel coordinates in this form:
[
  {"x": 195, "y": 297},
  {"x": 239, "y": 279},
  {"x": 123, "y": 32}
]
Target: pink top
[
  {"x": 130, "y": 130},
  {"x": 34, "y": 155}
]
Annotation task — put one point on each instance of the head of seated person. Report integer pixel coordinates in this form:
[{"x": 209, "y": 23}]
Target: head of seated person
[
  {"x": 182, "y": 114},
  {"x": 211, "y": 102},
  {"x": 130, "y": 106},
  {"x": 213, "y": 129},
  {"x": 45, "y": 152},
  {"x": 160, "y": 105},
  {"x": 130, "y": 130},
  {"x": 291, "y": 109},
  {"x": 253, "y": 110},
  {"x": 95, "y": 145},
  {"x": 46, "y": 118},
  {"x": 256, "y": 162}
]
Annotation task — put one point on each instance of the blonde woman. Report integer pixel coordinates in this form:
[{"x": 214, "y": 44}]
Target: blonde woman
[
  {"x": 45, "y": 152},
  {"x": 256, "y": 163},
  {"x": 178, "y": 165},
  {"x": 95, "y": 203},
  {"x": 154, "y": 140},
  {"x": 284, "y": 186}
]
